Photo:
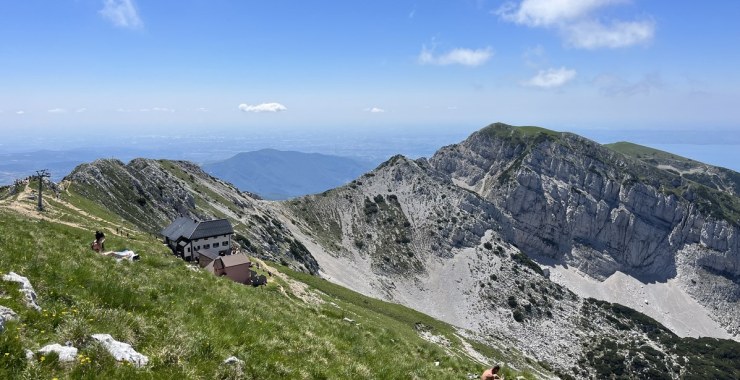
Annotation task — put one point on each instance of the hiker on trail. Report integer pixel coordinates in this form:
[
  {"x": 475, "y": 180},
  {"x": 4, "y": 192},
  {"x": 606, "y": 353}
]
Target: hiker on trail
[{"x": 492, "y": 374}]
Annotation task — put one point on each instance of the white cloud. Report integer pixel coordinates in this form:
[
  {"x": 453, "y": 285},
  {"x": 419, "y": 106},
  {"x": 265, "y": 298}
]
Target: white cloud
[
  {"x": 20, "y": 112},
  {"x": 460, "y": 56},
  {"x": 57, "y": 110},
  {"x": 263, "y": 107},
  {"x": 375, "y": 110},
  {"x": 122, "y": 13},
  {"x": 578, "y": 22},
  {"x": 202, "y": 109},
  {"x": 594, "y": 34},
  {"x": 81, "y": 110},
  {"x": 550, "y": 12},
  {"x": 551, "y": 78}
]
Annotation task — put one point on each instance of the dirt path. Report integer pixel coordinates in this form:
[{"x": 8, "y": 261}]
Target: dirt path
[
  {"x": 299, "y": 289},
  {"x": 22, "y": 204}
]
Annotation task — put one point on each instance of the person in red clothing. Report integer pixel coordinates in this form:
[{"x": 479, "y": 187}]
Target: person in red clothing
[{"x": 492, "y": 374}]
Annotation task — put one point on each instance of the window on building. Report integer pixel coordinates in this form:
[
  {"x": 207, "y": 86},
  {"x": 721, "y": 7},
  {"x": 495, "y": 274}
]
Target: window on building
[
  {"x": 188, "y": 249},
  {"x": 206, "y": 246}
]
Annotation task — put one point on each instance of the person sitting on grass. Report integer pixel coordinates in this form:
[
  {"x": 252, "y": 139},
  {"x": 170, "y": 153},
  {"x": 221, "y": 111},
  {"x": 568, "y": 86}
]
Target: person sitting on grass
[{"x": 492, "y": 374}]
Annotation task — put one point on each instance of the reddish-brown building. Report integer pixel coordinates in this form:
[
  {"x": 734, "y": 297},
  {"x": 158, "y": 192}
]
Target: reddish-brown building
[{"x": 235, "y": 267}]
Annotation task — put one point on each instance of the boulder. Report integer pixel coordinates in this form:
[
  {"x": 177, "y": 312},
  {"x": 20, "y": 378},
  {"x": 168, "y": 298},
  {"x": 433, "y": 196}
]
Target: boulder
[
  {"x": 121, "y": 351},
  {"x": 26, "y": 289},
  {"x": 6, "y": 314},
  {"x": 66, "y": 353},
  {"x": 233, "y": 360}
]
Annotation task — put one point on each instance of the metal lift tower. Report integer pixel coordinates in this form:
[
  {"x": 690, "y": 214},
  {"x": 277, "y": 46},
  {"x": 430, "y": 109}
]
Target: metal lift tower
[{"x": 41, "y": 174}]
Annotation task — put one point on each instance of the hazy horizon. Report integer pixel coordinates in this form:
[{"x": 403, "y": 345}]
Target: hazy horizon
[{"x": 22, "y": 155}]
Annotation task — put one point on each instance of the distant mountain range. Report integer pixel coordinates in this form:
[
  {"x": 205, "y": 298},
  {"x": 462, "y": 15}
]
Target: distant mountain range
[{"x": 278, "y": 175}]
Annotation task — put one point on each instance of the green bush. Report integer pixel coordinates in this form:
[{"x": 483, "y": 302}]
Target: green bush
[{"x": 518, "y": 316}]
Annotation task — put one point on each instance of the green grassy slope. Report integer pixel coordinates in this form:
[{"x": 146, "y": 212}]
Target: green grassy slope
[
  {"x": 641, "y": 151},
  {"x": 188, "y": 321},
  {"x": 710, "y": 176}
]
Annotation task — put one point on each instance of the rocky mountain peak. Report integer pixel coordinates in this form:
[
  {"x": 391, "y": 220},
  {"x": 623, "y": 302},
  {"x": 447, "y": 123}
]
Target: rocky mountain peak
[
  {"x": 152, "y": 193},
  {"x": 584, "y": 205}
]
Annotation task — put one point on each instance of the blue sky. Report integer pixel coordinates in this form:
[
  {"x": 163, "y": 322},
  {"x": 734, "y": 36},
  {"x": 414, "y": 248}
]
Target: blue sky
[{"x": 135, "y": 65}]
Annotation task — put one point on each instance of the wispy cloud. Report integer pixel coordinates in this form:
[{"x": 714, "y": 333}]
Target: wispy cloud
[
  {"x": 459, "y": 56},
  {"x": 20, "y": 112},
  {"x": 122, "y": 13},
  {"x": 578, "y": 22},
  {"x": 57, "y": 110},
  {"x": 375, "y": 110},
  {"x": 263, "y": 107},
  {"x": 202, "y": 109},
  {"x": 81, "y": 110},
  {"x": 551, "y": 78},
  {"x": 612, "y": 85},
  {"x": 594, "y": 34},
  {"x": 157, "y": 109}
]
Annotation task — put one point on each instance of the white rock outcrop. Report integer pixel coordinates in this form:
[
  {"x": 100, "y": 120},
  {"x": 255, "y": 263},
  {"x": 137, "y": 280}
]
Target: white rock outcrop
[
  {"x": 233, "y": 360},
  {"x": 6, "y": 314},
  {"x": 121, "y": 351},
  {"x": 66, "y": 353},
  {"x": 26, "y": 289}
]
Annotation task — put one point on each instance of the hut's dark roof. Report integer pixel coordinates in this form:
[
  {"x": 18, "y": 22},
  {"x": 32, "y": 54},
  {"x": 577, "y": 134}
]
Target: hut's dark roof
[{"x": 193, "y": 229}]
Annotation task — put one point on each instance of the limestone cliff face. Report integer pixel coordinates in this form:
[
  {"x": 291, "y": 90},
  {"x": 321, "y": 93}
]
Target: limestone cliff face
[
  {"x": 571, "y": 199},
  {"x": 562, "y": 191}
]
